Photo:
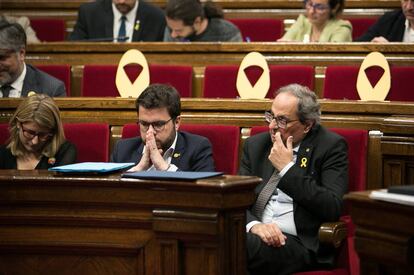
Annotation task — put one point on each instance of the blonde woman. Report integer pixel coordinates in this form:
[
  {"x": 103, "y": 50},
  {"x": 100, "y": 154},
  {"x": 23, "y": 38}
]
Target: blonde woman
[{"x": 37, "y": 140}]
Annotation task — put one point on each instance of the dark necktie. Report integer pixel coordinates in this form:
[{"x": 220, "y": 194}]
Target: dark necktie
[
  {"x": 122, "y": 30},
  {"x": 265, "y": 194},
  {"x": 5, "y": 89}
]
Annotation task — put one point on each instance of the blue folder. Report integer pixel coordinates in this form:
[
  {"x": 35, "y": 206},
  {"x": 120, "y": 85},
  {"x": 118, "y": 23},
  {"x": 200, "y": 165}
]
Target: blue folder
[
  {"x": 92, "y": 167},
  {"x": 166, "y": 175}
]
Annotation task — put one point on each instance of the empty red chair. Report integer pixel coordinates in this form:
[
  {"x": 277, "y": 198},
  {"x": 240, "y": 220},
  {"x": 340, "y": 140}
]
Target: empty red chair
[
  {"x": 220, "y": 81},
  {"x": 225, "y": 140},
  {"x": 49, "y": 29},
  {"x": 4, "y": 132},
  {"x": 259, "y": 29},
  {"x": 361, "y": 25},
  {"x": 91, "y": 140},
  {"x": 340, "y": 82},
  {"x": 61, "y": 72},
  {"x": 357, "y": 140},
  {"x": 99, "y": 80}
]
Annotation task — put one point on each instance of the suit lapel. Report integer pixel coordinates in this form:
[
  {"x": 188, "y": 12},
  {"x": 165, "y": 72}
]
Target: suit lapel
[
  {"x": 109, "y": 20},
  {"x": 137, "y": 28},
  {"x": 303, "y": 159},
  {"x": 179, "y": 150},
  {"x": 30, "y": 82}
]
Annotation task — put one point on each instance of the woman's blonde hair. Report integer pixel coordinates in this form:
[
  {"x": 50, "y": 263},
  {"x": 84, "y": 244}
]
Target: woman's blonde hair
[{"x": 41, "y": 109}]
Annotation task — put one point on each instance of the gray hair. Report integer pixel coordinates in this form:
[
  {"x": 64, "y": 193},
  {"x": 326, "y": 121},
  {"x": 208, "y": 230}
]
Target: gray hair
[
  {"x": 12, "y": 36},
  {"x": 308, "y": 105}
]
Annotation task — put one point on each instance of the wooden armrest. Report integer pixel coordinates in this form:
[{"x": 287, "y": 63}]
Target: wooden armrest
[{"x": 333, "y": 233}]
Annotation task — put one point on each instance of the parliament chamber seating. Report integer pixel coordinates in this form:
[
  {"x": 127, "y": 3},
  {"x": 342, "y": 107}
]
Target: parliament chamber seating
[
  {"x": 259, "y": 29},
  {"x": 99, "y": 80},
  {"x": 49, "y": 29},
  {"x": 220, "y": 81},
  {"x": 61, "y": 72},
  {"x": 340, "y": 82},
  {"x": 361, "y": 25},
  {"x": 224, "y": 139},
  {"x": 347, "y": 259}
]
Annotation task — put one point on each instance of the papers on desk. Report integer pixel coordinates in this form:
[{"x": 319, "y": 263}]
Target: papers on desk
[
  {"x": 384, "y": 195},
  {"x": 166, "y": 175},
  {"x": 92, "y": 167}
]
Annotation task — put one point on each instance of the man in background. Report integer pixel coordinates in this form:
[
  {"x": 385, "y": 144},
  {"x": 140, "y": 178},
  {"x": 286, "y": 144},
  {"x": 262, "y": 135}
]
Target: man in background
[
  {"x": 160, "y": 145},
  {"x": 393, "y": 26},
  {"x": 190, "y": 20},
  {"x": 119, "y": 21},
  {"x": 17, "y": 78}
]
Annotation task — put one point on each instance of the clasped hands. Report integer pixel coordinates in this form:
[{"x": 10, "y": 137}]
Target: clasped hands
[{"x": 152, "y": 155}]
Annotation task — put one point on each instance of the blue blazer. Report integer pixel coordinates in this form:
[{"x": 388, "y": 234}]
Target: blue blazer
[{"x": 192, "y": 152}]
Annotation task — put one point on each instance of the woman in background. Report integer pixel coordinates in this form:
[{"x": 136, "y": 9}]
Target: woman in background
[
  {"x": 37, "y": 140},
  {"x": 321, "y": 23}
]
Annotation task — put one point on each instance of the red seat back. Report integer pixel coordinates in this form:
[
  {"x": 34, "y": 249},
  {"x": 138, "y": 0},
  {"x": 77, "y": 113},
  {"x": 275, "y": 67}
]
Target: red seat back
[
  {"x": 99, "y": 80},
  {"x": 340, "y": 82},
  {"x": 361, "y": 25},
  {"x": 49, "y": 29},
  {"x": 4, "y": 132},
  {"x": 220, "y": 81},
  {"x": 91, "y": 140},
  {"x": 259, "y": 29},
  {"x": 61, "y": 72},
  {"x": 224, "y": 139}
]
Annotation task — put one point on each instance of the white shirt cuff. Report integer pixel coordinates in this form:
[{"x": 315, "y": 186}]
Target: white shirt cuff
[
  {"x": 250, "y": 225},
  {"x": 286, "y": 168}
]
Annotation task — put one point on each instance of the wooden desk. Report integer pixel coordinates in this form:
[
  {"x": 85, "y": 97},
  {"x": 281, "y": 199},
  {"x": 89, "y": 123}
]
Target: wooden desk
[
  {"x": 107, "y": 225},
  {"x": 384, "y": 237}
]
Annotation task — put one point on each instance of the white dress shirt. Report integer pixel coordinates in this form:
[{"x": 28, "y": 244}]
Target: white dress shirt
[{"x": 408, "y": 32}]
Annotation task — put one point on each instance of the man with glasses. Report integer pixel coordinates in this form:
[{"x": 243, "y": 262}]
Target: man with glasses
[
  {"x": 304, "y": 168},
  {"x": 17, "y": 78},
  {"x": 160, "y": 145},
  {"x": 393, "y": 26}
]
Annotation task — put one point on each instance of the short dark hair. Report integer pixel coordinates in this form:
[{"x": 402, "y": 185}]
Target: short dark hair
[
  {"x": 189, "y": 10},
  {"x": 12, "y": 36},
  {"x": 333, "y": 4},
  {"x": 160, "y": 96}
]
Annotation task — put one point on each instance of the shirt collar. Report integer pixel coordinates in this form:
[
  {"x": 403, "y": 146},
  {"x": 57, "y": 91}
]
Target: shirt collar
[{"x": 17, "y": 85}]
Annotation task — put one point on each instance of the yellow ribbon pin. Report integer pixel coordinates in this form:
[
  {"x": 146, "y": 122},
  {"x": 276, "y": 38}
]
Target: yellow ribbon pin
[
  {"x": 303, "y": 162},
  {"x": 176, "y": 155}
]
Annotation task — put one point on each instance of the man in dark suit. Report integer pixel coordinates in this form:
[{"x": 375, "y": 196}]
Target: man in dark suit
[
  {"x": 103, "y": 19},
  {"x": 304, "y": 168},
  {"x": 393, "y": 26},
  {"x": 160, "y": 145},
  {"x": 16, "y": 77}
]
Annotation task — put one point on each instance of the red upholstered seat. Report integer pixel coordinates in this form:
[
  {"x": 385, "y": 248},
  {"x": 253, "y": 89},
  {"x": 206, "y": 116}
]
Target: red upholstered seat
[
  {"x": 91, "y": 140},
  {"x": 357, "y": 139},
  {"x": 4, "y": 132},
  {"x": 99, "y": 80},
  {"x": 49, "y": 29},
  {"x": 340, "y": 82},
  {"x": 220, "y": 81},
  {"x": 61, "y": 72},
  {"x": 224, "y": 139},
  {"x": 259, "y": 29},
  {"x": 361, "y": 25}
]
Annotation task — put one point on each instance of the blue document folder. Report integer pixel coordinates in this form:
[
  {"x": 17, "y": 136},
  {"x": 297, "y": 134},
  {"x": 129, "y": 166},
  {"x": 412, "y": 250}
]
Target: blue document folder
[
  {"x": 92, "y": 167},
  {"x": 179, "y": 175}
]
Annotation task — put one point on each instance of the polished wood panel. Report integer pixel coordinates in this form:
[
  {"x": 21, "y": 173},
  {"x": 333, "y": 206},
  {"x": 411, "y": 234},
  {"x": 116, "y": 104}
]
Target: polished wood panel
[
  {"x": 384, "y": 235},
  {"x": 54, "y": 224}
]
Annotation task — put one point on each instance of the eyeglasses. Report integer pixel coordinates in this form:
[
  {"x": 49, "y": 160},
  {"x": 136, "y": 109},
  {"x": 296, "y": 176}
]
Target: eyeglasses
[
  {"x": 281, "y": 121},
  {"x": 157, "y": 125},
  {"x": 317, "y": 6},
  {"x": 30, "y": 134}
]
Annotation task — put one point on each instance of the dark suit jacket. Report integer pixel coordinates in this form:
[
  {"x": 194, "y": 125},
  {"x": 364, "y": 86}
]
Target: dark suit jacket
[
  {"x": 316, "y": 183},
  {"x": 391, "y": 26},
  {"x": 192, "y": 152},
  {"x": 42, "y": 83},
  {"x": 96, "y": 21}
]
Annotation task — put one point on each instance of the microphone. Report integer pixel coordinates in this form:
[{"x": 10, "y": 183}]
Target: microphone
[{"x": 106, "y": 39}]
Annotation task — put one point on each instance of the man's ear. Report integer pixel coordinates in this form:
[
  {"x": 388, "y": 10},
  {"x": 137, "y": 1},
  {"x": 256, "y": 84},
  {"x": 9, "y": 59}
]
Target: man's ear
[
  {"x": 177, "y": 122},
  {"x": 197, "y": 22},
  {"x": 308, "y": 126}
]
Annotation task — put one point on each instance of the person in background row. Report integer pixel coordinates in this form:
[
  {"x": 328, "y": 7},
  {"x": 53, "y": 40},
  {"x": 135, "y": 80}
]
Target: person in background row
[
  {"x": 393, "y": 26},
  {"x": 119, "y": 21},
  {"x": 160, "y": 145},
  {"x": 304, "y": 168},
  {"x": 17, "y": 78},
  {"x": 191, "y": 20},
  {"x": 321, "y": 23},
  {"x": 25, "y": 23},
  {"x": 37, "y": 140}
]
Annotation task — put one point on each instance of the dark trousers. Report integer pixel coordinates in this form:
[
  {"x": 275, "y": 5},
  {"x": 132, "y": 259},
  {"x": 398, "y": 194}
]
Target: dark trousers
[{"x": 264, "y": 259}]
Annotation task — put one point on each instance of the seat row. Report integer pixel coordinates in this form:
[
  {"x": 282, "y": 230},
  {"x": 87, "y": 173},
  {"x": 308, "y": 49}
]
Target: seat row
[
  {"x": 54, "y": 29},
  {"x": 220, "y": 81}
]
